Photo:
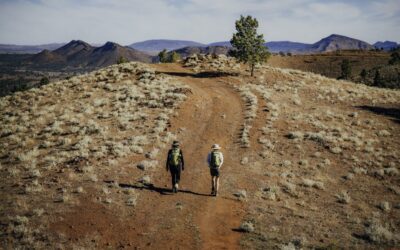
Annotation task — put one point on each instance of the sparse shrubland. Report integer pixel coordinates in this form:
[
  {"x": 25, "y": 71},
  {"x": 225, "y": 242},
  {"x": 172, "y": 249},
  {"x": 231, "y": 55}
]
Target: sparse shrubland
[
  {"x": 318, "y": 136},
  {"x": 323, "y": 161},
  {"x": 81, "y": 127}
]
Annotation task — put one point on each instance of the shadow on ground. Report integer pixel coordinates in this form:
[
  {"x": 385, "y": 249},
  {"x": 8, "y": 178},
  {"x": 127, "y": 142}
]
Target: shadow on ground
[
  {"x": 204, "y": 74},
  {"x": 151, "y": 187},
  {"x": 393, "y": 113}
]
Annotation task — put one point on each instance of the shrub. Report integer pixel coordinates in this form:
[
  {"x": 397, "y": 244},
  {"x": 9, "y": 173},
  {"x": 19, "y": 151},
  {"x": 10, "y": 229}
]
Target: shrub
[
  {"x": 394, "y": 57},
  {"x": 131, "y": 201},
  {"x": 379, "y": 234},
  {"x": 343, "y": 197},
  {"x": 363, "y": 75},
  {"x": 378, "y": 79},
  {"x": 121, "y": 60},
  {"x": 45, "y": 80},
  {"x": 312, "y": 183},
  {"x": 247, "y": 227}
]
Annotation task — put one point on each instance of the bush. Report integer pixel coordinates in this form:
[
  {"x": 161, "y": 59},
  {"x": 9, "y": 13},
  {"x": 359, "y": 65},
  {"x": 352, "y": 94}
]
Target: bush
[
  {"x": 363, "y": 75},
  {"x": 121, "y": 59},
  {"x": 45, "y": 80},
  {"x": 394, "y": 58},
  {"x": 378, "y": 79}
]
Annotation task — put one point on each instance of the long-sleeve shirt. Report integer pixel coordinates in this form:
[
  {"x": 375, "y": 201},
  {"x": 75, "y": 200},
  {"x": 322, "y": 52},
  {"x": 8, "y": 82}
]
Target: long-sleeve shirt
[
  {"x": 221, "y": 157},
  {"x": 181, "y": 156}
]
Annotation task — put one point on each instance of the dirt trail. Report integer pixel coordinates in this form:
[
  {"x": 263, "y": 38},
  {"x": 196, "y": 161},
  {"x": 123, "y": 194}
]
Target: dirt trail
[
  {"x": 212, "y": 115},
  {"x": 191, "y": 219}
]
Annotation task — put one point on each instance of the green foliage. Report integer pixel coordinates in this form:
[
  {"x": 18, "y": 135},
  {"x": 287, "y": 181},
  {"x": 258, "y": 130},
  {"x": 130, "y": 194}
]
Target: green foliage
[
  {"x": 121, "y": 59},
  {"x": 163, "y": 56},
  {"x": 395, "y": 57},
  {"x": 346, "y": 69},
  {"x": 45, "y": 80},
  {"x": 248, "y": 46},
  {"x": 174, "y": 57}
]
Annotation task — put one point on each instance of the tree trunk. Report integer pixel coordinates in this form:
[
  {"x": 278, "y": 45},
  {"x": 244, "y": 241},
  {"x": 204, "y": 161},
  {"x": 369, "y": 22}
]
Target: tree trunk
[{"x": 252, "y": 69}]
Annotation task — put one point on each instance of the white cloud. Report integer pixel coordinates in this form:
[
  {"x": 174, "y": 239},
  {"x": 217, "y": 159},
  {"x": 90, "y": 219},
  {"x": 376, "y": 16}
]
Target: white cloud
[{"x": 127, "y": 21}]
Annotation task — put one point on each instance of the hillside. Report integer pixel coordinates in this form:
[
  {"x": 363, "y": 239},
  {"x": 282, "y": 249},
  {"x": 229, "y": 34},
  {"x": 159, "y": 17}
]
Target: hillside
[
  {"x": 310, "y": 162},
  {"x": 337, "y": 42},
  {"x": 286, "y": 46},
  {"x": 329, "y": 64},
  {"x": 155, "y": 46}
]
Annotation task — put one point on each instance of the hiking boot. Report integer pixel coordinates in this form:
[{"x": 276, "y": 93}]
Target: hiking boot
[
  {"x": 215, "y": 193},
  {"x": 176, "y": 188}
]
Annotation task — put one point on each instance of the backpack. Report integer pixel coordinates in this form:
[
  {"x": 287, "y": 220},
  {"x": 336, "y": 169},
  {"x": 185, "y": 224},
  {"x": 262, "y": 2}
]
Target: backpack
[
  {"x": 215, "y": 160},
  {"x": 175, "y": 157}
]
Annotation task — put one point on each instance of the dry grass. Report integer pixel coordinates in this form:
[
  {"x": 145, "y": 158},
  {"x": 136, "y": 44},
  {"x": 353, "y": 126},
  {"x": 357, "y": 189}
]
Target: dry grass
[{"x": 82, "y": 128}]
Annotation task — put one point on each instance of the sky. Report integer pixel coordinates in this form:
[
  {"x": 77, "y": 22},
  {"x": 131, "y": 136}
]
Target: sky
[{"x": 206, "y": 21}]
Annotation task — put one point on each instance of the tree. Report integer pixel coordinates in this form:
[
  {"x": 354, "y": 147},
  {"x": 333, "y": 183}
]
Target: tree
[
  {"x": 377, "y": 79},
  {"x": 173, "y": 57},
  {"x": 346, "y": 69},
  {"x": 363, "y": 75},
  {"x": 121, "y": 59},
  {"x": 162, "y": 56},
  {"x": 248, "y": 46}
]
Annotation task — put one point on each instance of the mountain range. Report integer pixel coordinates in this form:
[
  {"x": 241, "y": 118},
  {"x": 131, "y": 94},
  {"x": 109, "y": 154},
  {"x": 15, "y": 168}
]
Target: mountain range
[
  {"x": 152, "y": 47},
  {"x": 331, "y": 43},
  {"x": 386, "y": 45},
  {"x": 79, "y": 54},
  {"x": 155, "y": 46}
]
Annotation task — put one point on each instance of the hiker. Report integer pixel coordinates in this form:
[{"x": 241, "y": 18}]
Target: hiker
[
  {"x": 175, "y": 164},
  {"x": 215, "y": 160}
]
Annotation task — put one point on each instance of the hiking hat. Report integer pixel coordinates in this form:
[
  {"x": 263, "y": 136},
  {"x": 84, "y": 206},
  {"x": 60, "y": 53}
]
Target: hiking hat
[
  {"x": 215, "y": 147},
  {"x": 175, "y": 144}
]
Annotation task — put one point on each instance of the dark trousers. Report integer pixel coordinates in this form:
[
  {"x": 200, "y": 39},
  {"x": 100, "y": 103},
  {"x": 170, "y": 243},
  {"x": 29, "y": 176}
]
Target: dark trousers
[{"x": 175, "y": 174}]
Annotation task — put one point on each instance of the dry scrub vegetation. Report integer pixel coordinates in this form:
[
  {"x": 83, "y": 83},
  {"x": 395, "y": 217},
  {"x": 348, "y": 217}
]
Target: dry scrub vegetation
[
  {"x": 58, "y": 143},
  {"x": 321, "y": 157}
]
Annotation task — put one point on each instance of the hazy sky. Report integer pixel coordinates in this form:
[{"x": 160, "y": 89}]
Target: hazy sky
[{"x": 128, "y": 21}]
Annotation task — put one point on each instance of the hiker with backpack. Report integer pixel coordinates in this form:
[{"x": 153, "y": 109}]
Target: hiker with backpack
[
  {"x": 215, "y": 160},
  {"x": 175, "y": 165}
]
